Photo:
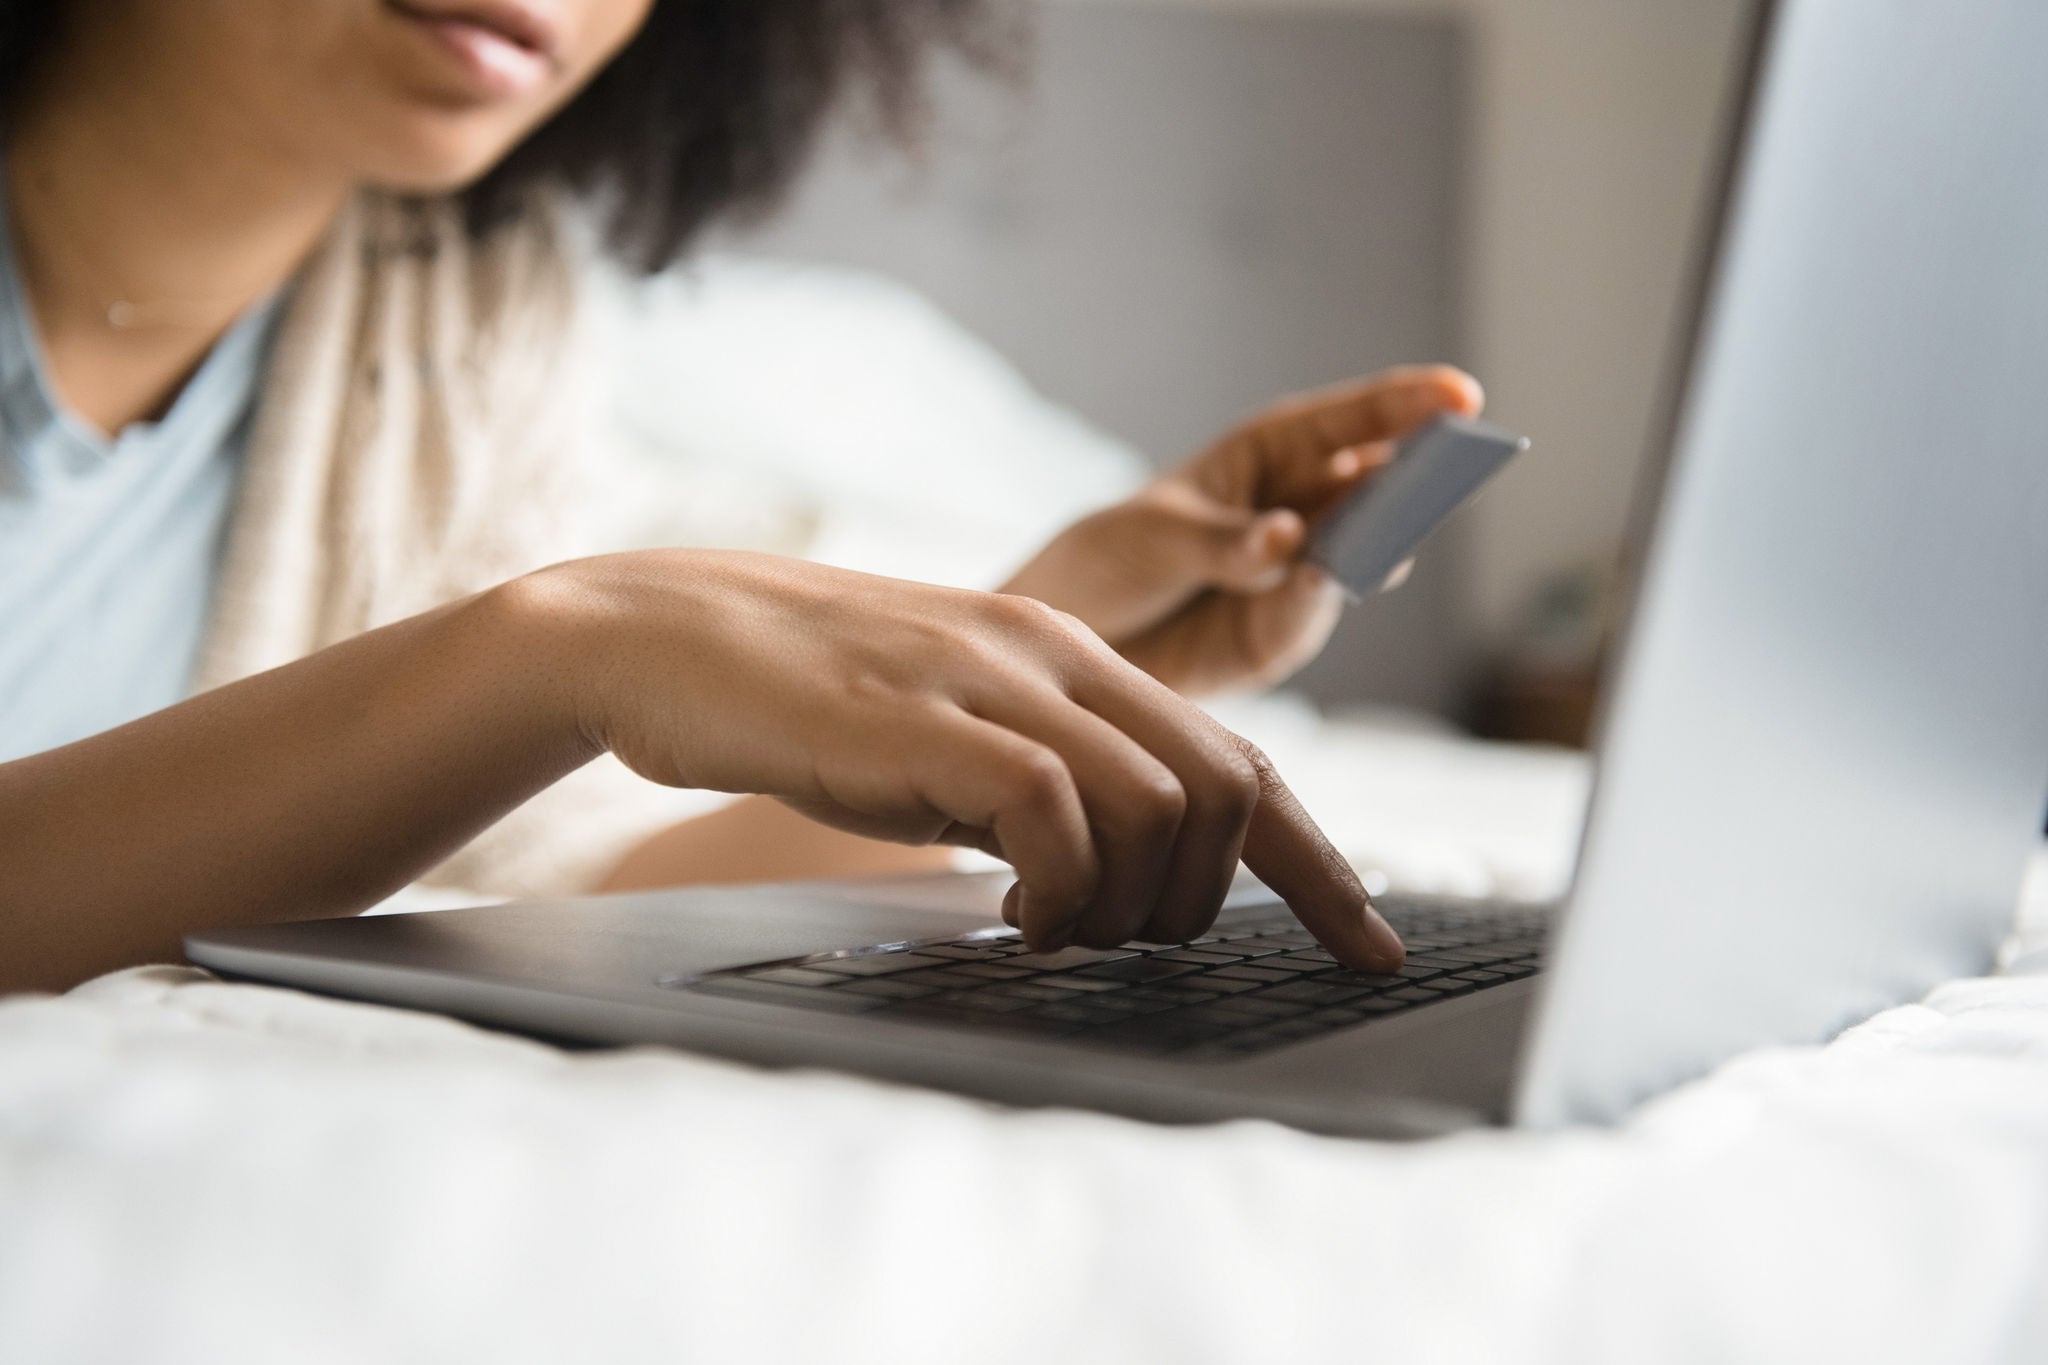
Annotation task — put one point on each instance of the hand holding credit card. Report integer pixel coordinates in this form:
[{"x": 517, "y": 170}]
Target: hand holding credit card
[{"x": 1382, "y": 523}]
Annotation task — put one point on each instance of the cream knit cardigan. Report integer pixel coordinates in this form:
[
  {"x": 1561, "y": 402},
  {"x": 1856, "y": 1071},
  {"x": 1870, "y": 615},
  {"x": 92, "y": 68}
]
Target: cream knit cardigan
[{"x": 417, "y": 440}]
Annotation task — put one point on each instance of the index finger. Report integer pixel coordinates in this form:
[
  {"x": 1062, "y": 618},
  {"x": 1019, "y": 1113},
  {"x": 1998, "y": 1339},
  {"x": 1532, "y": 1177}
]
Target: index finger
[
  {"x": 1285, "y": 850},
  {"x": 1379, "y": 407},
  {"x": 1281, "y": 457}
]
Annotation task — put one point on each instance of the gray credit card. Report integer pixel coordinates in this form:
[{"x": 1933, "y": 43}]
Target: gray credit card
[{"x": 1434, "y": 470}]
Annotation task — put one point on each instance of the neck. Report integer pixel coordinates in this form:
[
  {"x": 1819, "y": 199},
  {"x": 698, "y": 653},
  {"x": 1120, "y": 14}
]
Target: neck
[{"x": 145, "y": 222}]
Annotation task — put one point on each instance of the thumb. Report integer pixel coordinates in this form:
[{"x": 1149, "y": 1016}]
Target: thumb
[
  {"x": 1148, "y": 557},
  {"x": 1263, "y": 552},
  {"x": 1207, "y": 544}
]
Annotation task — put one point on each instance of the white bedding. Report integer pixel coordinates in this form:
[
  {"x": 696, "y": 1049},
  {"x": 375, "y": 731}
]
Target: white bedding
[{"x": 193, "y": 1171}]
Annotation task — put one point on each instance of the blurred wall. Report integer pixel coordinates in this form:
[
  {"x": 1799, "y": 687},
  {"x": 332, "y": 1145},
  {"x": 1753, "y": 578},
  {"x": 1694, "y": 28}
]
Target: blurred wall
[
  {"x": 1596, "y": 129},
  {"x": 1182, "y": 215},
  {"x": 1592, "y": 131},
  {"x": 1198, "y": 203}
]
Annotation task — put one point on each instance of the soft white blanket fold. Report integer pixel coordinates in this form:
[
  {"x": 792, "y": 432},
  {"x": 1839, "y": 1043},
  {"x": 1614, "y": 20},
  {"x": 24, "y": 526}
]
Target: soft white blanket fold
[{"x": 193, "y": 1171}]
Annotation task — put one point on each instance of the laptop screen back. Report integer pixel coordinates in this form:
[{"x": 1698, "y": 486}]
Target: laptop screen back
[{"x": 1825, "y": 749}]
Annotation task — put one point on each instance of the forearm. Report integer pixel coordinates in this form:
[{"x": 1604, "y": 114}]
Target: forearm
[{"x": 314, "y": 789}]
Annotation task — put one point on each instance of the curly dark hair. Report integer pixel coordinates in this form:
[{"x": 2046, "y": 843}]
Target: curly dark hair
[{"x": 711, "y": 110}]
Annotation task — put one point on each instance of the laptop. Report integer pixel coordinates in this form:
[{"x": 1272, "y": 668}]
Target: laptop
[{"x": 1821, "y": 764}]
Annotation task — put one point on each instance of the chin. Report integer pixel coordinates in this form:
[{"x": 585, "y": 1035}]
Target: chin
[{"x": 441, "y": 159}]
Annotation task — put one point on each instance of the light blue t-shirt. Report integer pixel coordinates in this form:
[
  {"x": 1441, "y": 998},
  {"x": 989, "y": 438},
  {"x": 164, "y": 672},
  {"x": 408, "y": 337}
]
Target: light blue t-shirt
[{"x": 108, "y": 548}]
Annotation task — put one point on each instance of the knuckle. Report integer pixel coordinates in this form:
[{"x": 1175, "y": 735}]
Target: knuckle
[
  {"x": 1237, "y": 785},
  {"x": 983, "y": 657},
  {"x": 1154, "y": 805},
  {"x": 1048, "y": 625},
  {"x": 1037, "y": 780},
  {"x": 1028, "y": 615},
  {"x": 1263, "y": 774}
]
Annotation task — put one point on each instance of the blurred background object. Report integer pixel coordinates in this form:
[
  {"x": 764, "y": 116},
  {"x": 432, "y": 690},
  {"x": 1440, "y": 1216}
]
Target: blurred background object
[{"x": 1184, "y": 210}]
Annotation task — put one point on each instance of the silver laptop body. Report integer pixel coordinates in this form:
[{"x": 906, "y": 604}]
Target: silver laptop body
[{"x": 1825, "y": 750}]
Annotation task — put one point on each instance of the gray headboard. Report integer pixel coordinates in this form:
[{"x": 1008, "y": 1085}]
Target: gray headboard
[{"x": 1182, "y": 214}]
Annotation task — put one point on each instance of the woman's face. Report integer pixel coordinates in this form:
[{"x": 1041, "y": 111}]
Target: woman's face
[{"x": 418, "y": 95}]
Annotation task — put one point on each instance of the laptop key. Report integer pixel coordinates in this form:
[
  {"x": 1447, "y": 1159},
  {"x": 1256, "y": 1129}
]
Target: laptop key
[
  {"x": 1071, "y": 983},
  {"x": 1371, "y": 980},
  {"x": 1171, "y": 992},
  {"x": 1190, "y": 984},
  {"x": 877, "y": 964},
  {"x": 1295, "y": 966},
  {"x": 992, "y": 971},
  {"x": 1254, "y": 948},
  {"x": 964, "y": 952},
  {"x": 1067, "y": 958},
  {"x": 1258, "y": 976},
  {"x": 1209, "y": 981},
  {"x": 1025, "y": 990},
  {"x": 1136, "y": 969},
  {"x": 1197, "y": 956}
]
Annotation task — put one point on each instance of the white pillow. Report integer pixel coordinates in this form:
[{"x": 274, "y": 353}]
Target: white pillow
[{"x": 830, "y": 412}]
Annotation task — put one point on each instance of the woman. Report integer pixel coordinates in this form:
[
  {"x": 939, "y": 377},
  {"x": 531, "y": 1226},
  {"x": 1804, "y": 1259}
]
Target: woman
[{"x": 286, "y": 419}]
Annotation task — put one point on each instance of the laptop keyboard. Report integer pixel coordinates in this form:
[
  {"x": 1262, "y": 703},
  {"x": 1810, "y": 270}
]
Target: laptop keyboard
[{"x": 1257, "y": 981}]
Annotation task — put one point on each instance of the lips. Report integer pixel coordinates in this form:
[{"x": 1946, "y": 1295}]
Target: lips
[{"x": 504, "y": 48}]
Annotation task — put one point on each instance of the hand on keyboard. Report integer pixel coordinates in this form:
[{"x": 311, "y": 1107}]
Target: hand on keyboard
[{"x": 922, "y": 714}]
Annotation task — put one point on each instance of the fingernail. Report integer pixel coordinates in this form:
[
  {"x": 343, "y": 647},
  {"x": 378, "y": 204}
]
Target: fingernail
[
  {"x": 1278, "y": 531},
  {"x": 1382, "y": 942},
  {"x": 1345, "y": 463}
]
